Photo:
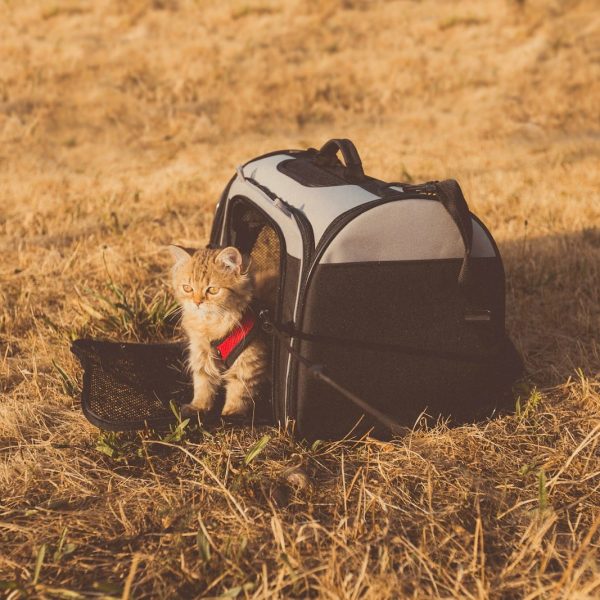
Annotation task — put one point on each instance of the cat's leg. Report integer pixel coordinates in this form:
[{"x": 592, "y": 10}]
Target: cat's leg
[
  {"x": 205, "y": 389},
  {"x": 238, "y": 397},
  {"x": 243, "y": 380}
]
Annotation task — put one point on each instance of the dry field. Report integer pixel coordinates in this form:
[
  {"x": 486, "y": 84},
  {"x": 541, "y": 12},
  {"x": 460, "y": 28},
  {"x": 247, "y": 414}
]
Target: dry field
[{"x": 120, "y": 123}]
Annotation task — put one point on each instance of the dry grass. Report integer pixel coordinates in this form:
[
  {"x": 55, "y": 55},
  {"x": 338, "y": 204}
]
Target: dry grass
[{"x": 120, "y": 122}]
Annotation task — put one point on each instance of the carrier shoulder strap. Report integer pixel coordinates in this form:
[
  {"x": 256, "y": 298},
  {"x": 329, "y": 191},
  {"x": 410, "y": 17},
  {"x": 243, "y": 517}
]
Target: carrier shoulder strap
[{"x": 451, "y": 196}]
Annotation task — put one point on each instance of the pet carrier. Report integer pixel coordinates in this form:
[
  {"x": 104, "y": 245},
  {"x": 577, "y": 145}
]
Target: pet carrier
[{"x": 390, "y": 296}]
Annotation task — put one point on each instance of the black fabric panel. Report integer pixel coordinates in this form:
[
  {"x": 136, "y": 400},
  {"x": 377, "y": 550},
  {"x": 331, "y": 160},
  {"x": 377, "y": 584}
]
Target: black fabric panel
[
  {"x": 406, "y": 302},
  {"x": 306, "y": 172},
  {"x": 403, "y": 387},
  {"x": 411, "y": 303},
  {"x": 492, "y": 242}
]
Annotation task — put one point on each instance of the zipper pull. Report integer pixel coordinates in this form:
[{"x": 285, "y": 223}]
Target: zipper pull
[{"x": 281, "y": 205}]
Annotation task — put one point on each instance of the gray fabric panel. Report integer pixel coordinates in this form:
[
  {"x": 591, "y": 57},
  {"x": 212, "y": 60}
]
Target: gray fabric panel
[
  {"x": 320, "y": 205},
  {"x": 404, "y": 230}
]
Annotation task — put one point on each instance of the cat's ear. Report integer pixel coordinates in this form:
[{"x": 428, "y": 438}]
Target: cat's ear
[
  {"x": 230, "y": 258},
  {"x": 180, "y": 254}
]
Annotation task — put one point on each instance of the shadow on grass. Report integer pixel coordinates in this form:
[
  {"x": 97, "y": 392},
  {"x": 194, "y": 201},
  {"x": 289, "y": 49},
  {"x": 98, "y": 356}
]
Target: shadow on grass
[{"x": 553, "y": 303}]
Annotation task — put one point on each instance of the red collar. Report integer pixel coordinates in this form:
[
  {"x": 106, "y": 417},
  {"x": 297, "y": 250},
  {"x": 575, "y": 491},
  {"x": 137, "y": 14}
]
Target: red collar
[{"x": 237, "y": 340}]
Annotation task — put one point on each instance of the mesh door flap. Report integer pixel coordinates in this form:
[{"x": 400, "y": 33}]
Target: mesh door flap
[{"x": 129, "y": 386}]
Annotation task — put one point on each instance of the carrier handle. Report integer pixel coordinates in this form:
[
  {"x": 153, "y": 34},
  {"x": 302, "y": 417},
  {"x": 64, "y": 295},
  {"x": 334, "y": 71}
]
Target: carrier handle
[
  {"x": 451, "y": 196},
  {"x": 349, "y": 153}
]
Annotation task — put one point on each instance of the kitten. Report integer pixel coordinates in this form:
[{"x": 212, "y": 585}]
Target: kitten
[{"x": 215, "y": 290}]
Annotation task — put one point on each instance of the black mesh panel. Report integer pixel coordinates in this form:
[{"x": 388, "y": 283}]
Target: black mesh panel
[{"x": 129, "y": 386}]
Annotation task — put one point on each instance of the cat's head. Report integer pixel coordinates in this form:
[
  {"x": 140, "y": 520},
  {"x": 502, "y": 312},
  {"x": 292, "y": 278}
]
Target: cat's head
[{"x": 210, "y": 282}]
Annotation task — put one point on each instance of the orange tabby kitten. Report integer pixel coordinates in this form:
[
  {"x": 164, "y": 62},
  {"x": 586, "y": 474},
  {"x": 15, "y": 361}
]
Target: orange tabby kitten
[{"x": 215, "y": 290}]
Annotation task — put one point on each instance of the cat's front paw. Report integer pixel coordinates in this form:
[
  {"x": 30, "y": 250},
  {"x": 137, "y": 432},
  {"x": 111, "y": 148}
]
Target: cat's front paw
[
  {"x": 237, "y": 407},
  {"x": 187, "y": 410},
  {"x": 191, "y": 410}
]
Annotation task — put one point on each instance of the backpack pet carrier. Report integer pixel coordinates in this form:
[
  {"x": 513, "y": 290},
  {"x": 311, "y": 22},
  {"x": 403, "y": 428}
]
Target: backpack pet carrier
[{"x": 389, "y": 294}]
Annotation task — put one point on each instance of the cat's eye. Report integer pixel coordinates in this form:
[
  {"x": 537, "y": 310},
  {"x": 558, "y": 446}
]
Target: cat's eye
[
  {"x": 187, "y": 288},
  {"x": 212, "y": 290}
]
